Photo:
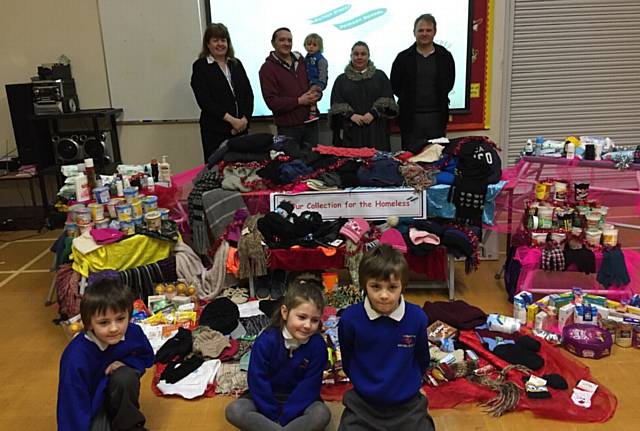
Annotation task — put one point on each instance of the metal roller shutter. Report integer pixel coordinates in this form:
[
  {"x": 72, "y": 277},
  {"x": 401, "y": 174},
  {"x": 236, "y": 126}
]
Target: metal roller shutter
[{"x": 574, "y": 70}]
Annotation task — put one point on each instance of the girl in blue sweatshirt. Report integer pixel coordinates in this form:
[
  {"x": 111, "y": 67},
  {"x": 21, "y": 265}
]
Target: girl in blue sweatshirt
[
  {"x": 385, "y": 352},
  {"x": 100, "y": 369},
  {"x": 285, "y": 368}
]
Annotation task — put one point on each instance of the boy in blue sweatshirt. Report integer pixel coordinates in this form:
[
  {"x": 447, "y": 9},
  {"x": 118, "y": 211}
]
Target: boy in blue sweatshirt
[
  {"x": 285, "y": 368},
  {"x": 100, "y": 369},
  {"x": 385, "y": 352}
]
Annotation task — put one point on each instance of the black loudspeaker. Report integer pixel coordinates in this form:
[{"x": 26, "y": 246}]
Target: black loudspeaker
[
  {"x": 74, "y": 147},
  {"x": 32, "y": 137}
]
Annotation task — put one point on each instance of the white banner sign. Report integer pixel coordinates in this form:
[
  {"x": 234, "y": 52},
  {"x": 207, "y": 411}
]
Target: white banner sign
[{"x": 368, "y": 203}]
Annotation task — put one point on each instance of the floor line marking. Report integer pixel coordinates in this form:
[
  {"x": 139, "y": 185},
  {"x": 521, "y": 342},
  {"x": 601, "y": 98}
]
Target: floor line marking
[
  {"x": 24, "y": 267},
  {"x": 26, "y": 271}
]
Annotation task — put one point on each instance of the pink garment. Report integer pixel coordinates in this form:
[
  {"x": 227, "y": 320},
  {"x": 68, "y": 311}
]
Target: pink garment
[
  {"x": 533, "y": 279},
  {"x": 345, "y": 152},
  {"x": 394, "y": 238},
  {"x": 301, "y": 187},
  {"x": 423, "y": 237},
  {"x": 106, "y": 235},
  {"x": 354, "y": 229}
]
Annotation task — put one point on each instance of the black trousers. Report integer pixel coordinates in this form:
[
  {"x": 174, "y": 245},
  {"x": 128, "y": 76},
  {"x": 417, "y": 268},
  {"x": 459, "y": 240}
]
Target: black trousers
[
  {"x": 425, "y": 126},
  {"x": 211, "y": 140},
  {"x": 306, "y": 135},
  {"x": 121, "y": 408}
]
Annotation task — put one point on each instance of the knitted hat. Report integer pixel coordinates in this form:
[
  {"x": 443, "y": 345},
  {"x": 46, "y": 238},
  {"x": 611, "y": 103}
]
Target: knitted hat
[
  {"x": 354, "y": 229},
  {"x": 209, "y": 343},
  {"x": 429, "y": 226},
  {"x": 555, "y": 381},
  {"x": 290, "y": 171},
  {"x": 221, "y": 315},
  {"x": 523, "y": 352},
  {"x": 269, "y": 307},
  {"x": 381, "y": 173},
  {"x": 106, "y": 236},
  {"x": 393, "y": 237},
  {"x": 422, "y": 237},
  {"x": 178, "y": 345}
]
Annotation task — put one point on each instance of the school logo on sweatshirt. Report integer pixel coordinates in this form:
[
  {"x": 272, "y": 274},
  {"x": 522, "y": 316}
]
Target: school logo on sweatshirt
[
  {"x": 407, "y": 341},
  {"x": 304, "y": 364}
]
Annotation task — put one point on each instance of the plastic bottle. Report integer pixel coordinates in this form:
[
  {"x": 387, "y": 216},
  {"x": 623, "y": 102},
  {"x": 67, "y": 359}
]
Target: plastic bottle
[
  {"x": 570, "y": 150},
  {"x": 119, "y": 188},
  {"x": 83, "y": 193},
  {"x": 164, "y": 173},
  {"x": 91, "y": 173},
  {"x": 154, "y": 169},
  {"x": 528, "y": 148},
  {"x": 538, "y": 148},
  {"x": 150, "y": 184}
]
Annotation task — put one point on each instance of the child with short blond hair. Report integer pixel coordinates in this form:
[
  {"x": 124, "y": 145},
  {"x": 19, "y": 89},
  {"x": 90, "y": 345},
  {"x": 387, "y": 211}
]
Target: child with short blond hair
[{"x": 317, "y": 69}]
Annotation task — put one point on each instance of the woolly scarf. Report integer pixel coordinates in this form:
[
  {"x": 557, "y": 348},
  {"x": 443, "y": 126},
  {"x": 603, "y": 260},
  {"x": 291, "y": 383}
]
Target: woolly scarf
[
  {"x": 208, "y": 283},
  {"x": 67, "y": 283},
  {"x": 253, "y": 258},
  {"x": 199, "y": 236}
]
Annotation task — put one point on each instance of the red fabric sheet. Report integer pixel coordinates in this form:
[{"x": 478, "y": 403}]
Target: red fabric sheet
[
  {"x": 559, "y": 407},
  {"x": 434, "y": 265}
]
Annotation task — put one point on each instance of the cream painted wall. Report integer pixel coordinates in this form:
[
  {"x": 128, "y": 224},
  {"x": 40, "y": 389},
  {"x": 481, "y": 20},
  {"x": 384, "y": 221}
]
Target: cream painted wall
[{"x": 38, "y": 31}]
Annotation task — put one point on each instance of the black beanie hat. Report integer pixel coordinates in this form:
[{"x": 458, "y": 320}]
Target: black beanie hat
[
  {"x": 556, "y": 381},
  {"x": 179, "y": 345},
  {"x": 269, "y": 306},
  {"x": 221, "y": 315},
  {"x": 529, "y": 343},
  {"x": 516, "y": 354}
]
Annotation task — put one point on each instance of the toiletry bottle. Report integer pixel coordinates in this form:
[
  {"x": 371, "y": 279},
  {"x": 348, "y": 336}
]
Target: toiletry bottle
[
  {"x": 570, "y": 150},
  {"x": 164, "y": 174},
  {"x": 83, "y": 193},
  {"x": 154, "y": 169},
  {"x": 91, "y": 173},
  {"x": 538, "y": 147},
  {"x": 528, "y": 148}
]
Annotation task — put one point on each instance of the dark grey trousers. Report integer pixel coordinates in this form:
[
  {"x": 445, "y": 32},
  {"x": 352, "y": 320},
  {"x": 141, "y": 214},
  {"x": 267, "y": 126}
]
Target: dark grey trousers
[
  {"x": 244, "y": 414},
  {"x": 358, "y": 415},
  {"x": 121, "y": 408}
]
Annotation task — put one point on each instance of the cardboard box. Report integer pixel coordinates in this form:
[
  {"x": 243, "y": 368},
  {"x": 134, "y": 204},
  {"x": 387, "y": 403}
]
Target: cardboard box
[{"x": 439, "y": 330}]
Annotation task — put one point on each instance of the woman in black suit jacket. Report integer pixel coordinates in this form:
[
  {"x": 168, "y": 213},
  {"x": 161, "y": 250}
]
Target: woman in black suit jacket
[{"x": 222, "y": 90}]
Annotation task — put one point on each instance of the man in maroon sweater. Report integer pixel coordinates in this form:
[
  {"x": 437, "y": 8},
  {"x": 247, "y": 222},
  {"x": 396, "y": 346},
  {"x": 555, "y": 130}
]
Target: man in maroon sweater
[{"x": 285, "y": 88}]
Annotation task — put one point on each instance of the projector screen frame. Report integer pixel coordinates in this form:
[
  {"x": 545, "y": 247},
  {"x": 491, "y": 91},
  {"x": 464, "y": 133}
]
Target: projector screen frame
[{"x": 452, "y": 111}]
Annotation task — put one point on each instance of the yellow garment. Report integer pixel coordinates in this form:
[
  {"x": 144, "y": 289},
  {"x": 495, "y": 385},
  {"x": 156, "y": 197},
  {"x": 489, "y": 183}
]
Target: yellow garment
[{"x": 137, "y": 250}]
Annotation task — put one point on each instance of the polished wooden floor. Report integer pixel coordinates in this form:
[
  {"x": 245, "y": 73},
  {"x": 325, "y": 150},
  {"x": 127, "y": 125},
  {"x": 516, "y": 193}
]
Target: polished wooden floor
[{"x": 31, "y": 348}]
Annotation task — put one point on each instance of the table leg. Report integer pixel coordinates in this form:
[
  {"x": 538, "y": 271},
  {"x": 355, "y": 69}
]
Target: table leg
[
  {"x": 45, "y": 201},
  {"x": 451, "y": 262},
  {"x": 252, "y": 288}
]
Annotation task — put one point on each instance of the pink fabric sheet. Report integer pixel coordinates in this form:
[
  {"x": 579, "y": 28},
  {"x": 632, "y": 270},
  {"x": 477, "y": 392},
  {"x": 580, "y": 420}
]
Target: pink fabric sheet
[{"x": 534, "y": 279}]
